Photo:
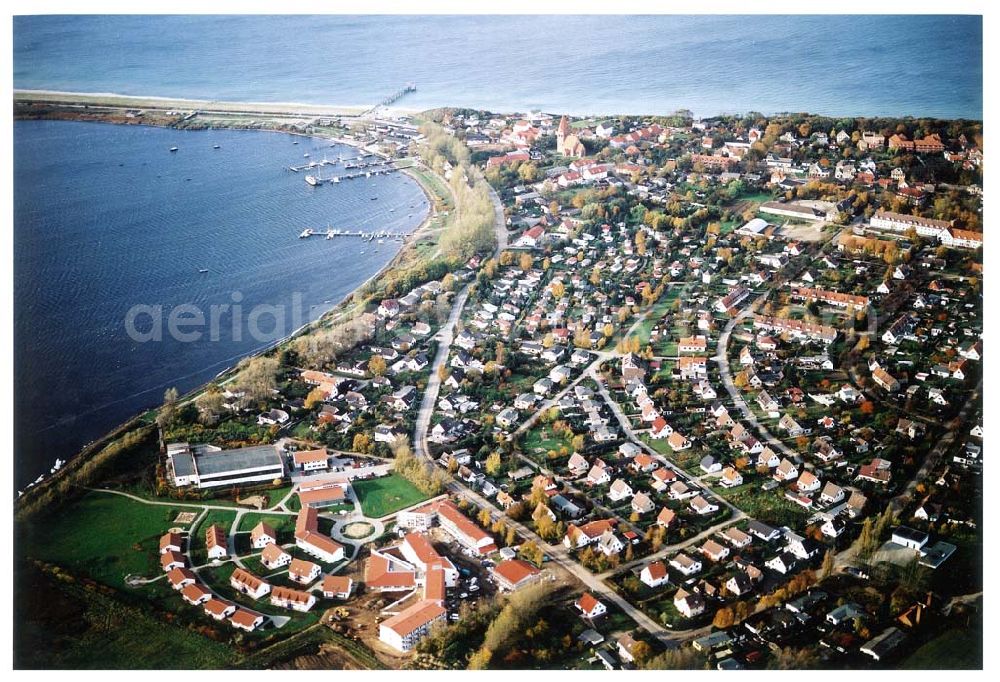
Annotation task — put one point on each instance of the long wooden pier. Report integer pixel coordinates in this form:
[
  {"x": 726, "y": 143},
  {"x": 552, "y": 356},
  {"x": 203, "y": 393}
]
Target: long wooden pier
[{"x": 392, "y": 99}]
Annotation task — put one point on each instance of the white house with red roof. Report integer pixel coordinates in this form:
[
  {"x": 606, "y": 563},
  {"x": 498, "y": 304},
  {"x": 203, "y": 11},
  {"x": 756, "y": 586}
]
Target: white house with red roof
[
  {"x": 654, "y": 574},
  {"x": 589, "y": 606}
]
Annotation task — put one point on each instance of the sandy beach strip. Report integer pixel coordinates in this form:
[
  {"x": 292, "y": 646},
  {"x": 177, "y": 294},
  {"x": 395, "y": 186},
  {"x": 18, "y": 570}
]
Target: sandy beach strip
[{"x": 110, "y": 99}]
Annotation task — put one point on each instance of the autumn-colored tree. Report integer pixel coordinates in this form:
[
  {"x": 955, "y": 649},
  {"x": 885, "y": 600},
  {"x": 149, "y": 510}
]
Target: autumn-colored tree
[
  {"x": 829, "y": 562},
  {"x": 376, "y": 366},
  {"x": 493, "y": 463},
  {"x": 531, "y": 552},
  {"x": 209, "y": 405},
  {"x": 723, "y": 618},
  {"x": 362, "y": 443},
  {"x": 314, "y": 397},
  {"x": 168, "y": 413},
  {"x": 526, "y": 261},
  {"x": 640, "y": 243}
]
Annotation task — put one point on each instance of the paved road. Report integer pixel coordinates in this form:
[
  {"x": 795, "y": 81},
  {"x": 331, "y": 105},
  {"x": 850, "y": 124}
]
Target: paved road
[
  {"x": 602, "y": 355},
  {"x": 429, "y": 400},
  {"x": 558, "y": 554},
  {"x": 722, "y": 358},
  {"x": 445, "y": 338},
  {"x": 690, "y": 480},
  {"x": 938, "y": 451}
]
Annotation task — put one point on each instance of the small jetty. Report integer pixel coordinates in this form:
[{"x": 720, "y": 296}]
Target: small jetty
[{"x": 379, "y": 236}]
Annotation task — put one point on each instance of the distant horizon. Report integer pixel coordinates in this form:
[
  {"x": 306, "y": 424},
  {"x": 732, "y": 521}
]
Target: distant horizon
[{"x": 921, "y": 66}]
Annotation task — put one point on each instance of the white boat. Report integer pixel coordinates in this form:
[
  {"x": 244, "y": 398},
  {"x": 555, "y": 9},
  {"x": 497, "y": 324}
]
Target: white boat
[
  {"x": 336, "y": 179},
  {"x": 381, "y": 241},
  {"x": 306, "y": 233},
  {"x": 215, "y": 146},
  {"x": 173, "y": 149},
  {"x": 306, "y": 155},
  {"x": 311, "y": 180},
  {"x": 203, "y": 270}
]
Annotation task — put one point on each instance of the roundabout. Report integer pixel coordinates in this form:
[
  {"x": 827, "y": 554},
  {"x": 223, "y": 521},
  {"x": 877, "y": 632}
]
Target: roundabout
[{"x": 357, "y": 530}]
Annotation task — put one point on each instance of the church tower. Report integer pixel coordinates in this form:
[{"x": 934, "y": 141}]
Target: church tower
[{"x": 562, "y": 132}]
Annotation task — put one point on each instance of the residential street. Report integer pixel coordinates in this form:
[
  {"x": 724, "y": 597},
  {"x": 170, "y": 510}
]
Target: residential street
[{"x": 722, "y": 359}]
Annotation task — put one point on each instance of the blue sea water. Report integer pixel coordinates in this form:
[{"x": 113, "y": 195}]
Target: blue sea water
[
  {"x": 866, "y": 65},
  {"x": 107, "y": 218}
]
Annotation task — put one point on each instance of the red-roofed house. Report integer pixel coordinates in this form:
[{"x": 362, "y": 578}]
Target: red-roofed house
[
  {"x": 589, "y": 606},
  {"x": 654, "y": 574}
]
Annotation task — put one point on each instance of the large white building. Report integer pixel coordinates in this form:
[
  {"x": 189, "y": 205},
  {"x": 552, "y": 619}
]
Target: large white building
[
  {"x": 407, "y": 627},
  {"x": 206, "y": 466},
  {"x": 899, "y": 222}
]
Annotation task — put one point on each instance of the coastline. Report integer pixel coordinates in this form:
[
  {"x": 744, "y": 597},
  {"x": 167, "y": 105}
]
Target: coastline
[
  {"x": 336, "y": 312},
  {"x": 112, "y": 99}
]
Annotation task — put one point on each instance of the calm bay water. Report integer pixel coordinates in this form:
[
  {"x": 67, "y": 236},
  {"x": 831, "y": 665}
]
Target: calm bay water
[
  {"x": 107, "y": 218},
  {"x": 834, "y": 65}
]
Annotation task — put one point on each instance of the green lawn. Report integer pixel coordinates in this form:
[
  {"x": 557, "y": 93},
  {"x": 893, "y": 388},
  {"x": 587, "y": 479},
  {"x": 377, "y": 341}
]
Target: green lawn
[
  {"x": 283, "y": 524},
  {"x": 769, "y": 506},
  {"x": 381, "y": 496},
  {"x": 540, "y": 440},
  {"x": 219, "y": 517},
  {"x": 102, "y": 535}
]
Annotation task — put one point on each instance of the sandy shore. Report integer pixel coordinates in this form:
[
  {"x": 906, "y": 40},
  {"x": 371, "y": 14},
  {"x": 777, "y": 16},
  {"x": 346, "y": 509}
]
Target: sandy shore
[{"x": 111, "y": 99}]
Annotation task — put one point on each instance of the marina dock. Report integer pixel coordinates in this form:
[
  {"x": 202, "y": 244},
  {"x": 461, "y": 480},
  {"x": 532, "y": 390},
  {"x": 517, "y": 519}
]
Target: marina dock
[
  {"x": 360, "y": 168},
  {"x": 381, "y": 236}
]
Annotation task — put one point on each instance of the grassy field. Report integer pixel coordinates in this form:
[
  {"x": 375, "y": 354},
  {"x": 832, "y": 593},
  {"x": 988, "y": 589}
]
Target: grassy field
[
  {"x": 102, "y": 535},
  {"x": 954, "y": 650},
  {"x": 381, "y": 496},
  {"x": 541, "y": 440},
  {"x": 283, "y": 524},
  {"x": 771, "y": 507},
  {"x": 78, "y": 628}
]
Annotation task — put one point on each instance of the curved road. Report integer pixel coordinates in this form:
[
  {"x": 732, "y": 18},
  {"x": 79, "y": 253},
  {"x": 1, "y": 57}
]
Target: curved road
[{"x": 722, "y": 358}]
